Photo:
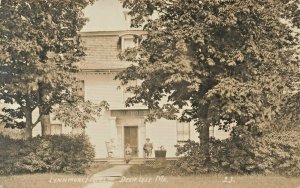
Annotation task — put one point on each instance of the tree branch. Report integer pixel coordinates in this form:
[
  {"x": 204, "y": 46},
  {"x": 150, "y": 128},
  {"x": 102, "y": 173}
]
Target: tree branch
[{"x": 37, "y": 121}]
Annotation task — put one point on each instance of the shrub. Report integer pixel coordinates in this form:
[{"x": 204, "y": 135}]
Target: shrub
[
  {"x": 243, "y": 153},
  {"x": 282, "y": 152},
  {"x": 65, "y": 153},
  {"x": 193, "y": 159}
]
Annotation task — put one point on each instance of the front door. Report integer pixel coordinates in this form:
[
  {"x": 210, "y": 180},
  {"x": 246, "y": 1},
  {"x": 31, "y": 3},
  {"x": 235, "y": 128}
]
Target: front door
[{"x": 131, "y": 138}]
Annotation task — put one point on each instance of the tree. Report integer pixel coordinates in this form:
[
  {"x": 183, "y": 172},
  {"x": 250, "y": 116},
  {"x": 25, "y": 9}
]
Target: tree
[
  {"x": 39, "y": 51},
  {"x": 229, "y": 60},
  {"x": 78, "y": 114}
]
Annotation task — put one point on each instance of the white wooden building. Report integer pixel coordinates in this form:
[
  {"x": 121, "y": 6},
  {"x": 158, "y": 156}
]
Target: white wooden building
[{"x": 105, "y": 36}]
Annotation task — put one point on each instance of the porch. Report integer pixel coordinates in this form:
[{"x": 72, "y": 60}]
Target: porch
[{"x": 134, "y": 160}]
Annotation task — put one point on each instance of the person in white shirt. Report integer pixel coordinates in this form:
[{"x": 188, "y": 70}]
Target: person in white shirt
[{"x": 128, "y": 153}]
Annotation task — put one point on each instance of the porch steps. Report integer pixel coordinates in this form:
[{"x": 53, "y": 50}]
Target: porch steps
[
  {"x": 121, "y": 161},
  {"x": 134, "y": 161}
]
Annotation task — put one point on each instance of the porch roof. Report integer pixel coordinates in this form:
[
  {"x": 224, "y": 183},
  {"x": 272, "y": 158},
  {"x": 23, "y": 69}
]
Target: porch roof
[{"x": 104, "y": 66}]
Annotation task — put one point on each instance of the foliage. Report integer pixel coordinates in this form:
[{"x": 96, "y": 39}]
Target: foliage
[
  {"x": 289, "y": 119},
  {"x": 66, "y": 153},
  {"x": 39, "y": 51},
  {"x": 218, "y": 60},
  {"x": 244, "y": 153},
  {"x": 192, "y": 160},
  {"x": 222, "y": 60},
  {"x": 80, "y": 113}
]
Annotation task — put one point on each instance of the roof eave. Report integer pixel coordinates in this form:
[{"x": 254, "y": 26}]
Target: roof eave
[
  {"x": 103, "y": 70},
  {"x": 112, "y": 33}
]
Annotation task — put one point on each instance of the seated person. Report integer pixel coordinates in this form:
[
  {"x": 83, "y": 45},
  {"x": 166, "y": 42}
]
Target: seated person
[
  {"x": 128, "y": 153},
  {"x": 148, "y": 148}
]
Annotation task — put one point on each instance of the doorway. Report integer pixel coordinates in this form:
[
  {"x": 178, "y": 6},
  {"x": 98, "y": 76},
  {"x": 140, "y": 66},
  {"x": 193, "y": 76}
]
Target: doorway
[{"x": 131, "y": 138}]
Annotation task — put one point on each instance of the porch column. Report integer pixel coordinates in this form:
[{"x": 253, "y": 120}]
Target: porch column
[
  {"x": 113, "y": 134},
  {"x": 142, "y": 136}
]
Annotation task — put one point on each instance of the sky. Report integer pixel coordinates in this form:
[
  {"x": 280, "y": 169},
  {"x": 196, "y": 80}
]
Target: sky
[{"x": 105, "y": 15}]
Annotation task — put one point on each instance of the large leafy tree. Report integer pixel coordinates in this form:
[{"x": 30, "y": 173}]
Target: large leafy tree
[
  {"x": 39, "y": 51},
  {"x": 231, "y": 60}
]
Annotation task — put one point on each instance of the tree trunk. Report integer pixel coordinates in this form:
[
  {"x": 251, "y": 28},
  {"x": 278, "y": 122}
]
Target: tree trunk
[
  {"x": 204, "y": 140},
  {"x": 45, "y": 117},
  {"x": 204, "y": 131},
  {"x": 28, "y": 128},
  {"x": 204, "y": 134},
  {"x": 45, "y": 124},
  {"x": 27, "y": 133}
]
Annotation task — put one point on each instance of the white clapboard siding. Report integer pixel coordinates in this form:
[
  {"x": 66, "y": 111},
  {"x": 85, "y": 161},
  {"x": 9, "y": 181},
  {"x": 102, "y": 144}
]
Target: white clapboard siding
[
  {"x": 163, "y": 133},
  {"x": 99, "y": 87}
]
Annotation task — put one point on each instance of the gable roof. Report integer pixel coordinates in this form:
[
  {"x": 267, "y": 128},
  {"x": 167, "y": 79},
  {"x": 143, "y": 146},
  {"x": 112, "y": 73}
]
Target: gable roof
[
  {"x": 102, "y": 49},
  {"x": 107, "y": 19}
]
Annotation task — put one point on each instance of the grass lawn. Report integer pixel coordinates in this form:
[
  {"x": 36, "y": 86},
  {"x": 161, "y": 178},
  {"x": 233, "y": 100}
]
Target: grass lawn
[
  {"x": 49, "y": 180},
  {"x": 140, "y": 176},
  {"x": 210, "y": 181}
]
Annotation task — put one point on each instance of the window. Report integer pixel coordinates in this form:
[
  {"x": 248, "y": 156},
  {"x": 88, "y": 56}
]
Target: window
[
  {"x": 128, "y": 41},
  {"x": 212, "y": 131},
  {"x": 56, "y": 129},
  {"x": 183, "y": 131},
  {"x": 80, "y": 88}
]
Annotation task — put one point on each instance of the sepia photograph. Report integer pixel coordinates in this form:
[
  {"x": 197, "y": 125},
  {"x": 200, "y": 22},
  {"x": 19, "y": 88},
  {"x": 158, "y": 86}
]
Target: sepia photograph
[{"x": 149, "y": 93}]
